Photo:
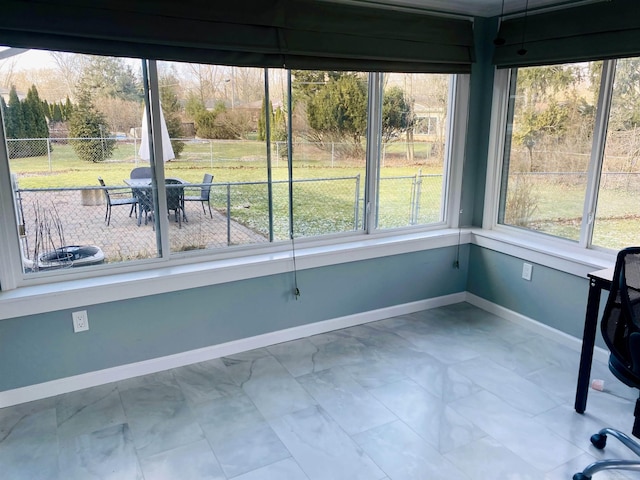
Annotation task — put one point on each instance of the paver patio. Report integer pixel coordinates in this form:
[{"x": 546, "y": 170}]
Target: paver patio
[{"x": 123, "y": 239}]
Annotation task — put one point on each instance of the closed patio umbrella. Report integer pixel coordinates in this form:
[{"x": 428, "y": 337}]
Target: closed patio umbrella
[{"x": 167, "y": 149}]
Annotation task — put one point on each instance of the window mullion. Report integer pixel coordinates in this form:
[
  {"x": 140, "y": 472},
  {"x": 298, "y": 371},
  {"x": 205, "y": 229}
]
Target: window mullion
[
  {"x": 11, "y": 254},
  {"x": 496, "y": 152},
  {"x": 267, "y": 128},
  {"x": 152, "y": 100},
  {"x": 597, "y": 152},
  {"x": 374, "y": 139},
  {"x": 457, "y": 119}
]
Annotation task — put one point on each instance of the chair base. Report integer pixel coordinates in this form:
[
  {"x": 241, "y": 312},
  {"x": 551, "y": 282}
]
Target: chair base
[{"x": 599, "y": 440}]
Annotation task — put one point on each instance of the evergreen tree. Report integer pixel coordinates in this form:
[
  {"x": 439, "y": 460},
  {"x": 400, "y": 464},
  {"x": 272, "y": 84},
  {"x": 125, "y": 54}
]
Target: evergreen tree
[
  {"x": 194, "y": 106},
  {"x": 338, "y": 112},
  {"x": 67, "y": 110},
  {"x": 396, "y": 113},
  {"x": 110, "y": 77},
  {"x": 46, "y": 108},
  {"x": 15, "y": 119},
  {"x": 262, "y": 127},
  {"x": 89, "y": 131},
  {"x": 36, "y": 122},
  {"x": 56, "y": 113},
  {"x": 15, "y": 126},
  {"x": 171, "y": 109}
]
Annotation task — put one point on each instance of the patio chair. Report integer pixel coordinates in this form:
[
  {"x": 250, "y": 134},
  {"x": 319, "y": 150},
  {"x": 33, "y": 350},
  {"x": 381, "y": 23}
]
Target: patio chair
[
  {"x": 205, "y": 190},
  {"x": 145, "y": 202},
  {"x": 115, "y": 199},
  {"x": 140, "y": 172},
  {"x": 175, "y": 199}
]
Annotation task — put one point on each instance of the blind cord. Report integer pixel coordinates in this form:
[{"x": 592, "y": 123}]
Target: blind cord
[{"x": 296, "y": 290}]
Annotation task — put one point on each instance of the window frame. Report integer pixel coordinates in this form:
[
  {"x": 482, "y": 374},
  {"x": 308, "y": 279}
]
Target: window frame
[
  {"x": 501, "y": 103},
  {"x": 16, "y": 285}
]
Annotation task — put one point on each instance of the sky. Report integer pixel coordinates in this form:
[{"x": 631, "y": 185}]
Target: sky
[{"x": 31, "y": 59}]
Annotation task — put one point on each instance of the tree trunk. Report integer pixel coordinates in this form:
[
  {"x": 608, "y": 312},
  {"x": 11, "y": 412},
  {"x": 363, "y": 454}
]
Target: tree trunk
[{"x": 410, "y": 146}]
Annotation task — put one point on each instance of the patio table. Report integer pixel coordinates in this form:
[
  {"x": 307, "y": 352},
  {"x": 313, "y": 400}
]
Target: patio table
[{"x": 145, "y": 200}]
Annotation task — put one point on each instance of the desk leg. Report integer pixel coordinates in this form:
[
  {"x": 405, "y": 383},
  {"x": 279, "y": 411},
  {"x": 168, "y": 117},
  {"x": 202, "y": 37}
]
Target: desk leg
[{"x": 588, "y": 342}]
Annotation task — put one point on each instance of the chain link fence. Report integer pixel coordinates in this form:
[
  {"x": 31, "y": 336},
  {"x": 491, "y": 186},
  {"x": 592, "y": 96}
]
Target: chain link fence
[
  {"x": 55, "y": 154},
  {"x": 242, "y": 212},
  {"x": 239, "y": 215}
]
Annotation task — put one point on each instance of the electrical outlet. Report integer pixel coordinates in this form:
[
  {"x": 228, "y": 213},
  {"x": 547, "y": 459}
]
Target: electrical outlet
[
  {"x": 80, "y": 321},
  {"x": 527, "y": 270}
]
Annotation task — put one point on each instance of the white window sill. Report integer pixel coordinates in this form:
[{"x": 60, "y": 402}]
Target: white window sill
[
  {"x": 34, "y": 299},
  {"x": 554, "y": 253},
  {"x": 62, "y": 295}
]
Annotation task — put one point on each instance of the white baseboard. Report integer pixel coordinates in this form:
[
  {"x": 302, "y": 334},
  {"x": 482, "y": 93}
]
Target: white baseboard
[
  {"x": 599, "y": 354},
  {"x": 122, "y": 372}
]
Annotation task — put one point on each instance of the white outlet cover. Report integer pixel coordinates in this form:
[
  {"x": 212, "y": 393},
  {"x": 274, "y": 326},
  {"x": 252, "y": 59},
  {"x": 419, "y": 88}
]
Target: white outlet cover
[
  {"x": 80, "y": 321},
  {"x": 527, "y": 270}
]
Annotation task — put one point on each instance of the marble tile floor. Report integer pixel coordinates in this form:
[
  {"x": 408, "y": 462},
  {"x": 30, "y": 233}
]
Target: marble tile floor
[{"x": 452, "y": 393}]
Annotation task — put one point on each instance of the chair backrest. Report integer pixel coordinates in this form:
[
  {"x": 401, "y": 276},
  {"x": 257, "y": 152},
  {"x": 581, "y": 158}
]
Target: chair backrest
[
  {"x": 174, "y": 194},
  {"x": 106, "y": 192},
  {"x": 140, "y": 172},
  {"x": 620, "y": 322},
  {"x": 206, "y": 189}
]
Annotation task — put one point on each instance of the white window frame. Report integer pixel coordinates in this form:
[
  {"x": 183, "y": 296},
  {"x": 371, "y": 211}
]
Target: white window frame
[
  {"x": 556, "y": 252},
  {"x": 23, "y": 294}
]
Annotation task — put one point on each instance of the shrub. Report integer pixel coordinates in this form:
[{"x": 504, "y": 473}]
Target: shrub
[{"x": 89, "y": 132}]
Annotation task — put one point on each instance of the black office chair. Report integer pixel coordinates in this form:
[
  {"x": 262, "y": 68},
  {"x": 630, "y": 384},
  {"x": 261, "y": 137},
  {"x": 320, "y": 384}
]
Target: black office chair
[
  {"x": 115, "y": 199},
  {"x": 620, "y": 328},
  {"x": 205, "y": 190}
]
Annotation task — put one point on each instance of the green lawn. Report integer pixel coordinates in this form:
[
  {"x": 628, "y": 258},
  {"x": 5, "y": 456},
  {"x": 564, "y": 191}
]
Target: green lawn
[
  {"x": 560, "y": 206},
  {"x": 328, "y": 194},
  {"x": 334, "y": 202}
]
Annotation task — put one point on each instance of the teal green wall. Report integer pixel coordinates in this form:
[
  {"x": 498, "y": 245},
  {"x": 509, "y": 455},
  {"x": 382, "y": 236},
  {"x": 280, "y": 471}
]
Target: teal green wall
[
  {"x": 479, "y": 123},
  {"x": 43, "y": 347},
  {"x": 552, "y": 297}
]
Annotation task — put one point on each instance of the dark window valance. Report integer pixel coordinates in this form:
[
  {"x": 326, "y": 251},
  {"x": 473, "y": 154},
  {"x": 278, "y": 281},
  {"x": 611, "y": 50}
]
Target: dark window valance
[
  {"x": 270, "y": 33},
  {"x": 593, "y": 31}
]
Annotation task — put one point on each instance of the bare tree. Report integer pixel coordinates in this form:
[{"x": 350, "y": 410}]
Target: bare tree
[
  {"x": 248, "y": 84},
  {"x": 7, "y": 72},
  {"x": 207, "y": 81},
  {"x": 70, "y": 67}
]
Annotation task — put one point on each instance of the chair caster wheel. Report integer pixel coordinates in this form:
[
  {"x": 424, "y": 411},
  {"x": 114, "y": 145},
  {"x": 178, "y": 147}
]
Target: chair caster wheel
[
  {"x": 581, "y": 476},
  {"x": 599, "y": 441}
]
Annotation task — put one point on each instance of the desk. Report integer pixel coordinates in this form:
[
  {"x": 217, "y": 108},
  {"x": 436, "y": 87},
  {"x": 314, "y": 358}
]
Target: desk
[{"x": 598, "y": 281}]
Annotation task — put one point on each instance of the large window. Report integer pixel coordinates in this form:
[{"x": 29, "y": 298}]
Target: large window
[
  {"x": 115, "y": 160},
  {"x": 570, "y": 165},
  {"x": 415, "y": 109}
]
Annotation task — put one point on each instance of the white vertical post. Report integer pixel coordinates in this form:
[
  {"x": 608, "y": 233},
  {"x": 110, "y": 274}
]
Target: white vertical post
[
  {"x": 49, "y": 153},
  {"x": 135, "y": 148},
  {"x": 333, "y": 151}
]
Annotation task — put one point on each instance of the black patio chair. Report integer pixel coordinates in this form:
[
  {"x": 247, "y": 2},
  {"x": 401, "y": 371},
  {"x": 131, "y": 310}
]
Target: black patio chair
[
  {"x": 140, "y": 172},
  {"x": 205, "y": 191},
  {"x": 145, "y": 203},
  {"x": 115, "y": 199},
  {"x": 175, "y": 199}
]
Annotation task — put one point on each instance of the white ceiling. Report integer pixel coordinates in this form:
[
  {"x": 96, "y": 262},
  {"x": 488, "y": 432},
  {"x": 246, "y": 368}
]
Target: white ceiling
[{"x": 481, "y": 8}]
